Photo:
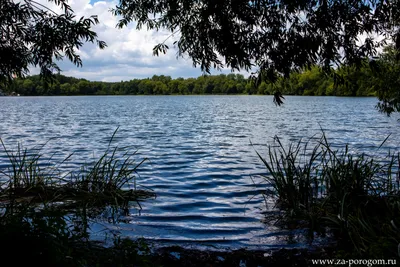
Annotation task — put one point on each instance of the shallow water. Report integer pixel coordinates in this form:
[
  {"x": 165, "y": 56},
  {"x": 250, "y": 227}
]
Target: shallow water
[{"x": 203, "y": 165}]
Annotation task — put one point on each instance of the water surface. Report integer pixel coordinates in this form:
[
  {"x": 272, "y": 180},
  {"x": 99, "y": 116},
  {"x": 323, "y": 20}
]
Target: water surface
[{"x": 203, "y": 164}]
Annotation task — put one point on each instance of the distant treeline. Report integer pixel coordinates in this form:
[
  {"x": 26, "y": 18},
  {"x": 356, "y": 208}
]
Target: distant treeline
[
  {"x": 359, "y": 82},
  {"x": 156, "y": 85},
  {"x": 344, "y": 81}
]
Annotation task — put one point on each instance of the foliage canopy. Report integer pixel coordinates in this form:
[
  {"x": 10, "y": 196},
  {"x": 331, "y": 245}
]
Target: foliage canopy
[
  {"x": 34, "y": 35},
  {"x": 386, "y": 80},
  {"x": 276, "y": 36},
  {"x": 273, "y": 36}
]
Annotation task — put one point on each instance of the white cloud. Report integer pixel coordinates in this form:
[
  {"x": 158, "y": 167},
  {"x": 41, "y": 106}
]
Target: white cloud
[{"x": 129, "y": 53}]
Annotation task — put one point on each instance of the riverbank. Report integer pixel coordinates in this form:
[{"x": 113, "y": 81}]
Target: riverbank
[
  {"x": 323, "y": 256},
  {"x": 126, "y": 253},
  {"x": 178, "y": 256}
]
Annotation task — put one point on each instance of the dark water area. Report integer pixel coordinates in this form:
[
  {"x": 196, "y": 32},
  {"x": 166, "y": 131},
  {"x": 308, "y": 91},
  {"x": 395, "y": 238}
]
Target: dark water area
[{"x": 201, "y": 150}]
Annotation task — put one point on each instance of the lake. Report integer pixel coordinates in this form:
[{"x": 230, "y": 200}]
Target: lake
[{"x": 201, "y": 149}]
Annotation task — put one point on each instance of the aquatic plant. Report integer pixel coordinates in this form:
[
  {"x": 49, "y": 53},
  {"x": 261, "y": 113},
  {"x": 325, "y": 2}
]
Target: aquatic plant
[
  {"x": 45, "y": 214},
  {"x": 353, "y": 196},
  {"x": 47, "y": 238},
  {"x": 111, "y": 179}
]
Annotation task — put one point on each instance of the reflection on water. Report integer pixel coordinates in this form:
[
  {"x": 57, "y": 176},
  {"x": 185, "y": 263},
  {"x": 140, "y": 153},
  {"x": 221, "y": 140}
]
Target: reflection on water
[{"x": 203, "y": 164}]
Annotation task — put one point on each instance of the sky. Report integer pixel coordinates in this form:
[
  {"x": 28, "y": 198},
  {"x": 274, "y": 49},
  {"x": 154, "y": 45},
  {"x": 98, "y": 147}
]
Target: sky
[{"x": 129, "y": 53}]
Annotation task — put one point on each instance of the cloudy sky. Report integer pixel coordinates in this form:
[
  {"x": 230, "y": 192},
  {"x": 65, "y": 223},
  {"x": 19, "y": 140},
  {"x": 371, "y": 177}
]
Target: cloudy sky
[{"x": 129, "y": 51}]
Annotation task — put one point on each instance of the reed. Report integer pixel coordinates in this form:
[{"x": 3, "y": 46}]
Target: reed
[
  {"x": 354, "y": 197},
  {"x": 45, "y": 215},
  {"x": 110, "y": 179}
]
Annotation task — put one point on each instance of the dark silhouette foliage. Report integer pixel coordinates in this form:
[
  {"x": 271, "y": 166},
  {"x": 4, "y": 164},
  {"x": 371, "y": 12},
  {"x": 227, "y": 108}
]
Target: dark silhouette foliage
[
  {"x": 273, "y": 37},
  {"x": 34, "y": 35}
]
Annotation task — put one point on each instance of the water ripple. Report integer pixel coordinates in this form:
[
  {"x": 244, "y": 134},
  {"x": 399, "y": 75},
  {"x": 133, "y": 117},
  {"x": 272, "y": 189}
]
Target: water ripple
[{"x": 201, "y": 150}]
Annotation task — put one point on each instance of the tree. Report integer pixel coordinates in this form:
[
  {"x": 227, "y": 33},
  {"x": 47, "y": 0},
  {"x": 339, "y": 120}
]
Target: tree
[
  {"x": 28, "y": 87},
  {"x": 386, "y": 80},
  {"x": 274, "y": 36},
  {"x": 33, "y": 35}
]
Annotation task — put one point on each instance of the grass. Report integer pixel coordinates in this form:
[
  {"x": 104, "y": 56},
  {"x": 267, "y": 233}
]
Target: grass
[
  {"x": 111, "y": 179},
  {"x": 45, "y": 214},
  {"x": 354, "y": 197}
]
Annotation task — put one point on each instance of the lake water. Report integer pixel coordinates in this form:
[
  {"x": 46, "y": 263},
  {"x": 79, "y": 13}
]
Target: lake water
[{"x": 203, "y": 163}]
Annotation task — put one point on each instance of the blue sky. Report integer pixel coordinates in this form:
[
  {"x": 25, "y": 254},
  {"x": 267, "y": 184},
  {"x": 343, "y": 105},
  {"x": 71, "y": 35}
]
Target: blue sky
[{"x": 129, "y": 51}]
